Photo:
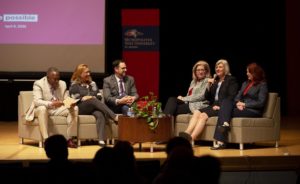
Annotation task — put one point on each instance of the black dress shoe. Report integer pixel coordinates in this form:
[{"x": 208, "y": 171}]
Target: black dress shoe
[
  {"x": 186, "y": 136},
  {"x": 218, "y": 147}
]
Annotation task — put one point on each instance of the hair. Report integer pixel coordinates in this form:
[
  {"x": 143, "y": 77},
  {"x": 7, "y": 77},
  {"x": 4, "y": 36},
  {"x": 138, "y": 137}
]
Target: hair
[
  {"x": 116, "y": 62},
  {"x": 177, "y": 142},
  {"x": 257, "y": 72},
  {"x": 52, "y": 69},
  {"x": 226, "y": 66},
  {"x": 76, "y": 77},
  {"x": 206, "y": 67},
  {"x": 56, "y": 147}
]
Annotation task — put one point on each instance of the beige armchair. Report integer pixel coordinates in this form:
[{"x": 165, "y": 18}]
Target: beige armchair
[
  {"x": 243, "y": 130},
  {"x": 57, "y": 124}
]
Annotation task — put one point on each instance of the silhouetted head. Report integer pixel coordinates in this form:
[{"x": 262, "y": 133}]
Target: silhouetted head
[
  {"x": 178, "y": 142},
  {"x": 56, "y": 147}
]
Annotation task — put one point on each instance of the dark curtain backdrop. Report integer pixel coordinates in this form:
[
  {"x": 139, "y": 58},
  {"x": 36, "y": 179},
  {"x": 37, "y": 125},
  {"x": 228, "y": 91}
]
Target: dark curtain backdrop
[{"x": 239, "y": 31}]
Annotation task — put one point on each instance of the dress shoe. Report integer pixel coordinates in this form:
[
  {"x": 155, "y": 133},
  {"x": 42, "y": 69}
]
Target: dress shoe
[
  {"x": 71, "y": 144},
  {"x": 102, "y": 143},
  {"x": 218, "y": 147},
  {"x": 186, "y": 136}
]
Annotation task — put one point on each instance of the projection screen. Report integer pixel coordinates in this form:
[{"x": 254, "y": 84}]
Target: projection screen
[{"x": 37, "y": 34}]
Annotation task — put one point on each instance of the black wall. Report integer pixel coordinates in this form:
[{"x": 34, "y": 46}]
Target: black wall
[{"x": 240, "y": 32}]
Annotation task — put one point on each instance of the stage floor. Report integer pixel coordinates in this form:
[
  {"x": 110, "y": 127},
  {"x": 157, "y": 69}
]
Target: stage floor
[{"x": 258, "y": 156}]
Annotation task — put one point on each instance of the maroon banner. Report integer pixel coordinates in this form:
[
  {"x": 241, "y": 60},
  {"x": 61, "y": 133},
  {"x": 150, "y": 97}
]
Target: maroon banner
[{"x": 140, "y": 42}]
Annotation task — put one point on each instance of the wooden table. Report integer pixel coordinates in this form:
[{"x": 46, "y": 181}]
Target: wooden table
[{"x": 137, "y": 130}]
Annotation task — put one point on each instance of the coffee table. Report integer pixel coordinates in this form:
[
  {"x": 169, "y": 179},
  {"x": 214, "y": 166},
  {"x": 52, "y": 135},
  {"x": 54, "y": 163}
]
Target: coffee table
[{"x": 136, "y": 130}]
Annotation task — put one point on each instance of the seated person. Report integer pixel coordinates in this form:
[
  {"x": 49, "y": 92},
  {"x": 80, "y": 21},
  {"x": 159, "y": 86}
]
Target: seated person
[
  {"x": 119, "y": 89},
  {"x": 251, "y": 99},
  {"x": 84, "y": 88},
  {"x": 48, "y": 95},
  {"x": 195, "y": 98}
]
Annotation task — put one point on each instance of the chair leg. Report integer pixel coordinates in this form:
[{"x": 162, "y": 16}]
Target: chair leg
[
  {"x": 40, "y": 144},
  {"x": 21, "y": 141},
  {"x": 78, "y": 143},
  {"x": 276, "y": 144},
  {"x": 113, "y": 141},
  {"x": 241, "y": 146}
]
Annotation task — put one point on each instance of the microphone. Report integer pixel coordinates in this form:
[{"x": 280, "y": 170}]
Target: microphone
[{"x": 215, "y": 77}]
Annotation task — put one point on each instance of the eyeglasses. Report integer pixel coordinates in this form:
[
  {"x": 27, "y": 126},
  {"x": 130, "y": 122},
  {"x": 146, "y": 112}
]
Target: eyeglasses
[{"x": 200, "y": 70}]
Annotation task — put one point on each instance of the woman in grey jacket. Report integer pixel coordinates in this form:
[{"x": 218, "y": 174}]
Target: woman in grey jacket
[{"x": 195, "y": 98}]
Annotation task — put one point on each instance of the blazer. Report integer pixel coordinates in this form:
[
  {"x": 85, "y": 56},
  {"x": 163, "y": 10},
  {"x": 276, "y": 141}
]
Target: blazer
[
  {"x": 197, "y": 99},
  {"x": 42, "y": 95},
  {"x": 228, "y": 90},
  {"x": 111, "y": 89},
  {"x": 256, "y": 97},
  {"x": 78, "y": 91}
]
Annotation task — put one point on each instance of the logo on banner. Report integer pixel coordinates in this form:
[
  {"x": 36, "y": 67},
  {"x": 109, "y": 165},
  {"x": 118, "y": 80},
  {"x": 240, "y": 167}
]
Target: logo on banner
[
  {"x": 140, "y": 38},
  {"x": 133, "y": 33}
]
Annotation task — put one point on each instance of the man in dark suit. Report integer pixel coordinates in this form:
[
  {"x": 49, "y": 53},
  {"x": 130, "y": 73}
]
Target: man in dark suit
[{"x": 119, "y": 89}]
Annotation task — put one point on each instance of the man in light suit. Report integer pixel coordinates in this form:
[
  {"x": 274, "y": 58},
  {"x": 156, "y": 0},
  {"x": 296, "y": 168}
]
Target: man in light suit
[
  {"x": 48, "y": 95},
  {"x": 119, "y": 89}
]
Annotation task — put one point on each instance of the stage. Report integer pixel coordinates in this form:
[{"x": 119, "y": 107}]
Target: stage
[{"x": 255, "y": 157}]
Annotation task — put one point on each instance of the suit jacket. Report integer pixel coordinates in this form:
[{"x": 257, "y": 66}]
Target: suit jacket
[
  {"x": 111, "y": 89},
  {"x": 78, "y": 91},
  {"x": 228, "y": 90},
  {"x": 197, "y": 99},
  {"x": 256, "y": 96},
  {"x": 42, "y": 93}
]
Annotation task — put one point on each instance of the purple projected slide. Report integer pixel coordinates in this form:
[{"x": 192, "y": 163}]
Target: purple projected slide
[{"x": 52, "y": 21}]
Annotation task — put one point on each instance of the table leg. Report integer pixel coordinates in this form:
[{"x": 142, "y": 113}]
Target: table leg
[{"x": 151, "y": 147}]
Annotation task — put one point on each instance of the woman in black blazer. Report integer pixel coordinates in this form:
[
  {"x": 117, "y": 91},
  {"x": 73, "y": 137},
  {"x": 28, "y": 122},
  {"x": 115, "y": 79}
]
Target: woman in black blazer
[
  {"x": 221, "y": 96},
  {"x": 251, "y": 99}
]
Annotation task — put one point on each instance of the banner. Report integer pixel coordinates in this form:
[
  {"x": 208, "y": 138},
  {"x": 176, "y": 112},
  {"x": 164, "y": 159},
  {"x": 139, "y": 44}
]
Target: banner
[{"x": 140, "y": 42}]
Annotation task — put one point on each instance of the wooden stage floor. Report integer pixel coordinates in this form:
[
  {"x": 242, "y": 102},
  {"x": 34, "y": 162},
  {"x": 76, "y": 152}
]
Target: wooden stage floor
[{"x": 258, "y": 156}]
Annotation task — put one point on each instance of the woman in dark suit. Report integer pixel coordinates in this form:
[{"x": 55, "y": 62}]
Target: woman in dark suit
[
  {"x": 221, "y": 95},
  {"x": 252, "y": 97}
]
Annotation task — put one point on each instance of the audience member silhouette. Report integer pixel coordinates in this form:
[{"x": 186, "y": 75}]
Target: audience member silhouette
[
  {"x": 105, "y": 165},
  {"x": 126, "y": 163},
  {"x": 60, "y": 169},
  {"x": 208, "y": 168},
  {"x": 178, "y": 166}
]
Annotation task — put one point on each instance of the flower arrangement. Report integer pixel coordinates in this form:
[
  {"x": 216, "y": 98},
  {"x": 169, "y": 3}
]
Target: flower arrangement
[{"x": 148, "y": 107}]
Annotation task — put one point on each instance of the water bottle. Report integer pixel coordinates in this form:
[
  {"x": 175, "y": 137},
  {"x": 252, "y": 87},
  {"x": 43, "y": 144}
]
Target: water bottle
[
  {"x": 154, "y": 114},
  {"x": 130, "y": 112}
]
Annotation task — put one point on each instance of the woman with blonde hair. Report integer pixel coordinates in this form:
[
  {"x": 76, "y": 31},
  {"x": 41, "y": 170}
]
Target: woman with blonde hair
[
  {"x": 86, "y": 90},
  {"x": 220, "y": 94},
  {"x": 195, "y": 97}
]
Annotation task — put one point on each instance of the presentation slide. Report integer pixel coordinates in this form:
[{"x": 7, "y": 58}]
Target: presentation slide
[{"x": 36, "y": 34}]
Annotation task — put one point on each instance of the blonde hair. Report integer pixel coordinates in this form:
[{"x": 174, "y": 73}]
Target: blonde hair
[
  {"x": 206, "y": 67},
  {"x": 76, "y": 77},
  {"x": 225, "y": 64}
]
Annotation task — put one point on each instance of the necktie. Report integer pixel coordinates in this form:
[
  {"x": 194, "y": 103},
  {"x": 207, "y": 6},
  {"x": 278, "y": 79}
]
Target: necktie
[
  {"x": 122, "y": 90},
  {"x": 53, "y": 94}
]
